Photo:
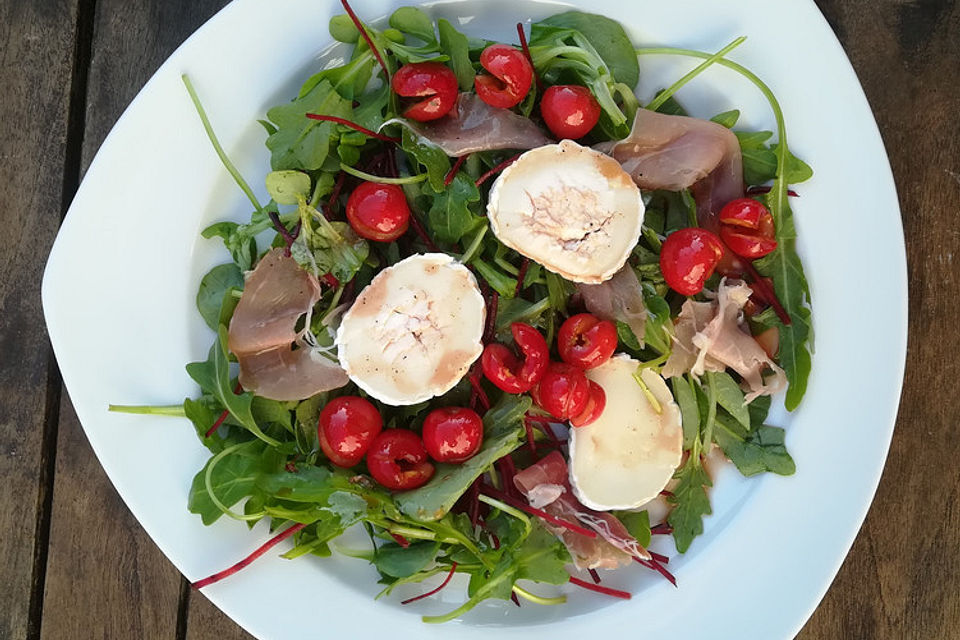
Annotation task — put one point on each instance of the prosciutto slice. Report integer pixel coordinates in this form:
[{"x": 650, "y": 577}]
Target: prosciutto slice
[
  {"x": 275, "y": 359},
  {"x": 474, "y": 126},
  {"x": 619, "y": 299},
  {"x": 710, "y": 336},
  {"x": 546, "y": 486},
  {"x": 677, "y": 152}
]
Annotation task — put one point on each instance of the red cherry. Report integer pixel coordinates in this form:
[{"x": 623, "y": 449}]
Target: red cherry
[
  {"x": 746, "y": 227},
  {"x": 595, "y": 406},
  {"x": 452, "y": 434},
  {"x": 397, "y": 459},
  {"x": 346, "y": 428},
  {"x": 512, "y": 75},
  {"x": 378, "y": 211},
  {"x": 563, "y": 391},
  {"x": 431, "y": 80},
  {"x": 505, "y": 370},
  {"x": 586, "y": 341},
  {"x": 688, "y": 257},
  {"x": 570, "y": 111}
]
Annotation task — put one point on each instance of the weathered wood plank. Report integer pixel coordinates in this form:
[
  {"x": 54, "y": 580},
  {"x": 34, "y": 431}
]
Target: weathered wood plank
[
  {"x": 104, "y": 574},
  {"x": 36, "y": 49},
  {"x": 206, "y": 621},
  {"x": 902, "y": 578},
  {"x": 105, "y": 577}
]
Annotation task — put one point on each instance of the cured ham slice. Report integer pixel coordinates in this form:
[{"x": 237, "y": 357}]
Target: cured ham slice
[
  {"x": 619, "y": 299},
  {"x": 546, "y": 486},
  {"x": 276, "y": 361},
  {"x": 677, "y": 152},
  {"x": 476, "y": 126},
  {"x": 710, "y": 336}
]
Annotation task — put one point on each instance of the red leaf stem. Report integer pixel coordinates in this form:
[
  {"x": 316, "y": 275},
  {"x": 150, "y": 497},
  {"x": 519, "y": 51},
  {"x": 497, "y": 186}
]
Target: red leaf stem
[
  {"x": 266, "y": 546},
  {"x": 223, "y": 416},
  {"x": 334, "y": 195},
  {"x": 662, "y": 529},
  {"x": 497, "y": 169},
  {"x": 419, "y": 230},
  {"x": 758, "y": 191},
  {"x": 519, "y": 504},
  {"x": 289, "y": 237},
  {"x": 493, "y": 302},
  {"x": 400, "y": 540},
  {"x": 521, "y": 276},
  {"x": 658, "y": 557},
  {"x": 453, "y": 170},
  {"x": 446, "y": 581},
  {"x": 531, "y": 440},
  {"x": 366, "y": 36},
  {"x": 607, "y": 591},
  {"x": 593, "y": 574},
  {"x": 656, "y": 566},
  {"x": 526, "y": 52},
  {"x": 514, "y": 598},
  {"x": 481, "y": 395},
  {"x": 354, "y": 126},
  {"x": 766, "y": 292}
]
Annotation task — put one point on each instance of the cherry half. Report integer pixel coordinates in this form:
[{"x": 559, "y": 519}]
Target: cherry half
[{"x": 398, "y": 460}]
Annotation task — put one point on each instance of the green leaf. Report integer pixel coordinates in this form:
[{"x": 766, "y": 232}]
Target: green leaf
[
  {"x": 287, "y": 187},
  {"x": 431, "y": 158},
  {"x": 399, "y": 562},
  {"x": 330, "y": 247},
  {"x": 450, "y": 218},
  {"x": 759, "y": 409},
  {"x": 307, "y": 484},
  {"x": 756, "y": 451},
  {"x": 608, "y": 38},
  {"x": 727, "y": 119},
  {"x": 213, "y": 376},
  {"x": 241, "y": 244},
  {"x": 415, "y": 22},
  {"x": 307, "y": 417},
  {"x": 730, "y": 397},
  {"x": 637, "y": 524},
  {"x": 346, "y": 506},
  {"x": 213, "y": 287},
  {"x": 503, "y": 429},
  {"x": 503, "y": 284},
  {"x": 302, "y": 143},
  {"x": 686, "y": 396},
  {"x": 458, "y": 47},
  {"x": 691, "y": 503},
  {"x": 203, "y": 413},
  {"x": 342, "y": 29},
  {"x": 232, "y": 479},
  {"x": 559, "y": 291},
  {"x": 659, "y": 323}
]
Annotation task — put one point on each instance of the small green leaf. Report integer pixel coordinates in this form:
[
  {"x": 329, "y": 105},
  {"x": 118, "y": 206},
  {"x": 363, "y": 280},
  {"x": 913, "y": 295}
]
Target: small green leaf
[
  {"x": 413, "y": 21},
  {"x": 730, "y": 397},
  {"x": 456, "y": 44},
  {"x": 757, "y": 451},
  {"x": 287, "y": 187},
  {"x": 213, "y": 287},
  {"x": 727, "y": 119},
  {"x": 685, "y": 393},
  {"x": 399, "y": 562},
  {"x": 342, "y": 29},
  {"x": 691, "y": 503},
  {"x": 637, "y": 524},
  {"x": 431, "y": 158}
]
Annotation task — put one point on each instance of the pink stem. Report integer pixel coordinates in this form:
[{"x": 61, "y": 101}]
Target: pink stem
[{"x": 269, "y": 544}]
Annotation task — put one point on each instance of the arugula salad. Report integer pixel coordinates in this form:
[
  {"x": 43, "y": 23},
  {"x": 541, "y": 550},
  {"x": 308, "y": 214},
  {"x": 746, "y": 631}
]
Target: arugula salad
[{"x": 497, "y": 313}]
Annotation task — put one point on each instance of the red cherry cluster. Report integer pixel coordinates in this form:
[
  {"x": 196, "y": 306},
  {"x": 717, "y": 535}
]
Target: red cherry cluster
[
  {"x": 559, "y": 388},
  {"x": 351, "y": 429}
]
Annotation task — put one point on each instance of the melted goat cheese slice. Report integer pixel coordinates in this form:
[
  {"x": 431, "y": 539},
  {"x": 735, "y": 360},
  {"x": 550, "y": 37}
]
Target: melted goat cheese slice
[
  {"x": 414, "y": 331},
  {"x": 628, "y": 455},
  {"x": 570, "y": 208}
]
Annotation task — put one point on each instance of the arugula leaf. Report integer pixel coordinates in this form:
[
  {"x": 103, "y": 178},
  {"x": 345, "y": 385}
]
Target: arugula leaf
[
  {"x": 690, "y": 502},
  {"x": 727, "y": 119},
  {"x": 559, "y": 290},
  {"x": 637, "y": 524},
  {"x": 686, "y": 396},
  {"x": 431, "y": 158},
  {"x": 203, "y": 413},
  {"x": 241, "y": 244},
  {"x": 730, "y": 397},
  {"x": 504, "y": 285},
  {"x": 401, "y": 562},
  {"x": 659, "y": 325},
  {"x": 457, "y": 45},
  {"x": 213, "y": 376},
  {"x": 302, "y": 143},
  {"x": 760, "y": 161},
  {"x": 232, "y": 479},
  {"x": 608, "y": 38},
  {"x": 451, "y": 217},
  {"x": 213, "y": 287},
  {"x": 756, "y": 451},
  {"x": 450, "y": 481}
]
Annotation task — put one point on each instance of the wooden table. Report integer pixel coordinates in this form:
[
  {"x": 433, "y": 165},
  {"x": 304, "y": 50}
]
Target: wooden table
[{"x": 74, "y": 562}]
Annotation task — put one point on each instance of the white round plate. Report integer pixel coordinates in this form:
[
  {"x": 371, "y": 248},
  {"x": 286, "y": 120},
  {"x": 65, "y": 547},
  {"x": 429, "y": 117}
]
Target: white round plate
[{"x": 119, "y": 300}]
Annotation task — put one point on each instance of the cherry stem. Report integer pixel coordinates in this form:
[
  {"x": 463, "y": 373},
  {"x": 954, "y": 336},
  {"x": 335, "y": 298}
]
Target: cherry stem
[
  {"x": 453, "y": 170},
  {"x": 366, "y": 36},
  {"x": 766, "y": 292},
  {"x": 266, "y": 546},
  {"x": 607, "y": 591},
  {"x": 354, "y": 126},
  {"x": 497, "y": 169},
  {"x": 526, "y": 51},
  {"x": 446, "y": 581},
  {"x": 513, "y": 502}
]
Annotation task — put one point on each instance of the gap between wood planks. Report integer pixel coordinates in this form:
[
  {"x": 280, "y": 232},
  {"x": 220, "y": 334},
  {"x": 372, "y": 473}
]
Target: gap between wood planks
[{"x": 76, "y": 120}]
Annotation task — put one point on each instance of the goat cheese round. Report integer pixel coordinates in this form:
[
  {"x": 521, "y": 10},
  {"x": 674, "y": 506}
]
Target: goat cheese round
[
  {"x": 628, "y": 455},
  {"x": 570, "y": 208},
  {"x": 414, "y": 331}
]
